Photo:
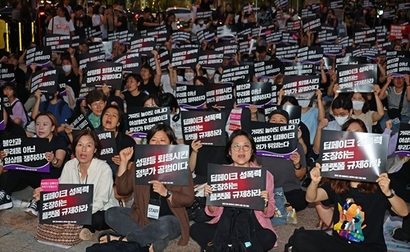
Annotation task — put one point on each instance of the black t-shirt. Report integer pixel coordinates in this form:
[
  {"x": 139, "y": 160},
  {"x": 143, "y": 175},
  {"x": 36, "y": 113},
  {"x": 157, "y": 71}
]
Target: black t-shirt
[
  {"x": 134, "y": 101},
  {"x": 124, "y": 25},
  {"x": 140, "y": 24},
  {"x": 71, "y": 80},
  {"x": 151, "y": 88},
  {"x": 361, "y": 218},
  {"x": 56, "y": 143}
]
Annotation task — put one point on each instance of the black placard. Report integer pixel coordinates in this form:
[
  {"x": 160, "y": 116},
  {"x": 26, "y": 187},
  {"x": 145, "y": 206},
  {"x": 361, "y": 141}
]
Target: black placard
[
  {"x": 287, "y": 52},
  {"x": 220, "y": 95},
  {"x": 357, "y": 78},
  {"x": 143, "y": 45},
  {"x": 294, "y": 113},
  {"x": 398, "y": 66},
  {"x": 267, "y": 68},
  {"x": 45, "y": 80},
  {"x": 184, "y": 58},
  {"x": 313, "y": 25},
  {"x": 256, "y": 93},
  {"x": 166, "y": 163},
  {"x": 367, "y": 36},
  {"x": 99, "y": 73},
  {"x": 58, "y": 42},
  {"x": 302, "y": 87},
  {"x": 83, "y": 59},
  {"x": 403, "y": 140},
  {"x": 108, "y": 144},
  {"x": 210, "y": 59},
  {"x": 297, "y": 68},
  {"x": 131, "y": 62},
  {"x": 79, "y": 121},
  {"x": 141, "y": 120},
  {"x": 6, "y": 73},
  {"x": 163, "y": 57},
  {"x": 190, "y": 96},
  {"x": 243, "y": 73},
  {"x": 310, "y": 54},
  {"x": 41, "y": 56}
]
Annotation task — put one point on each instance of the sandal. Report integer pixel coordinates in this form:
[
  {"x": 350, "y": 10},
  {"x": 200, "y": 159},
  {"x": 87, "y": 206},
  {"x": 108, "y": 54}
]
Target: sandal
[{"x": 109, "y": 235}]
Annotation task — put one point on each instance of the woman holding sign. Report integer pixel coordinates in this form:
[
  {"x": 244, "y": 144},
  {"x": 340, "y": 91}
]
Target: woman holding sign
[
  {"x": 241, "y": 148},
  {"x": 133, "y": 224}
]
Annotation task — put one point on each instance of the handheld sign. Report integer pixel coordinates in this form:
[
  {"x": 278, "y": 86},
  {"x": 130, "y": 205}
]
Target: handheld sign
[
  {"x": 71, "y": 204},
  {"x": 236, "y": 186},
  {"x": 287, "y": 52},
  {"x": 357, "y": 78},
  {"x": 207, "y": 126},
  {"x": 353, "y": 155},
  {"x": 141, "y": 120},
  {"x": 2, "y": 124},
  {"x": 39, "y": 56},
  {"x": 398, "y": 66},
  {"x": 6, "y": 73},
  {"x": 79, "y": 121},
  {"x": 163, "y": 57},
  {"x": 108, "y": 144},
  {"x": 131, "y": 62},
  {"x": 45, "y": 80},
  {"x": 99, "y": 73},
  {"x": 190, "y": 96},
  {"x": 184, "y": 58},
  {"x": 267, "y": 68},
  {"x": 26, "y": 154},
  {"x": 220, "y": 95},
  {"x": 58, "y": 42},
  {"x": 296, "y": 68},
  {"x": 257, "y": 93},
  {"x": 166, "y": 163},
  {"x": 83, "y": 59},
  {"x": 243, "y": 73},
  {"x": 143, "y": 45},
  {"x": 302, "y": 87},
  {"x": 403, "y": 140},
  {"x": 210, "y": 59},
  {"x": 274, "y": 140}
]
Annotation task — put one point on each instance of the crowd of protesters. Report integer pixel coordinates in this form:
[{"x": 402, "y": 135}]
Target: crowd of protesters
[{"x": 45, "y": 115}]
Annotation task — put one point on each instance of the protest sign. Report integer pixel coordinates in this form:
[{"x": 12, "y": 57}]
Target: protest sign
[
  {"x": 201, "y": 14},
  {"x": 27, "y": 154},
  {"x": 79, "y": 121},
  {"x": 131, "y": 62},
  {"x": 190, "y": 96},
  {"x": 108, "y": 144},
  {"x": 83, "y": 59},
  {"x": 6, "y": 73},
  {"x": 313, "y": 25},
  {"x": 228, "y": 48},
  {"x": 181, "y": 36},
  {"x": 398, "y": 66},
  {"x": 206, "y": 126},
  {"x": 71, "y": 204},
  {"x": 235, "y": 73},
  {"x": 332, "y": 50},
  {"x": 58, "y": 43},
  {"x": 41, "y": 56},
  {"x": 403, "y": 140},
  {"x": 184, "y": 58},
  {"x": 166, "y": 163},
  {"x": 399, "y": 31},
  {"x": 287, "y": 52},
  {"x": 206, "y": 35},
  {"x": 210, "y": 59},
  {"x": 140, "y": 120},
  {"x": 220, "y": 95},
  {"x": 302, "y": 87},
  {"x": 255, "y": 93},
  {"x": 274, "y": 140},
  {"x": 310, "y": 54},
  {"x": 163, "y": 57},
  {"x": 353, "y": 155},
  {"x": 143, "y": 45},
  {"x": 236, "y": 186},
  {"x": 160, "y": 34},
  {"x": 267, "y": 68},
  {"x": 294, "y": 112},
  {"x": 45, "y": 80},
  {"x": 366, "y": 36},
  {"x": 2, "y": 124},
  {"x": 109, "y": 73},
  {"x": 357, "y": 78},
  {"x": 95, "y": 47}
]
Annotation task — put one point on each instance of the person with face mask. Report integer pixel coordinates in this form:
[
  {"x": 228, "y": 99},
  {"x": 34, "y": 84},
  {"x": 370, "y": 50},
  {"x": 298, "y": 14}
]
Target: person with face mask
[
  {"x": 70, "y": 78},
  {"x": 361, "y": 110}
]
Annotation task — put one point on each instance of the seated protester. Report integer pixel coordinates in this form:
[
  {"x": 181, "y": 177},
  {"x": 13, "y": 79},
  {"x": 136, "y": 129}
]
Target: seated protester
[
  {"x": 241, "y": 149},
  {"x": 288, "y": 173},
  {"x": 169, "y": 100},
  {"x": 70, "y": 76},
  {"x": 86, "y": 168},
  {"x": 151, "y": 81},
  {"x": 132, "y": 224},
  {"x": 53, "y": 104},
  {"x": 151, "y": 101},
  {"x": 21, "y": 91},
  {"x": 134, "y": 96},
  {"x": 361, "y": 110},
  {"x": 45, "y": 127},
  {"x": 112, "y": 97},
  {"x": 96, "y": 101},
  {"x": 358, "y": 215},
  {"x": 15, "y": 109}
]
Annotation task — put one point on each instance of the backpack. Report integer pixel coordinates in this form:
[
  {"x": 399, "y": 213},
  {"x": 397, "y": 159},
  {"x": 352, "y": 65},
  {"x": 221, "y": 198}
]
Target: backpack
[
  {"x": 235, "y": 232},
  {"x": 9, "y": 109}
]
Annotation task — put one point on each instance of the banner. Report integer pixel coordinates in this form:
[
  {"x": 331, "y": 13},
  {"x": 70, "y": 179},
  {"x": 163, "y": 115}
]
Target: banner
[
  {"x": 403, "y": 140},
  {"x": 302, "y": 87},
  {"x": 255, "y": 93},
  {"x": 398, "y": 66},
  {"x": 99, "y": 73},
  {"x": 45, "y": 80},
  {"x": 274, "y": 140},
  {"x": 207, "y": 126},
  {"x": 184, "y": 58},
  {"x": 141, "y": 120},
  {"x": 71, "y": 204},
  {"x": 357, "y": 78},
  {"x": 267, "y": 68},
  {"x": 131, "y": 62},
  {"x": 39, "y": 56},
  {"x": 191, "y": 96},
  {"x": 236, "y": 186},
  {"x": 210, "y": 59},
  {"x": 83, "y": 59},
  {"x": 220, "y": 95},
  {"x": 295, "y": 113},
  {"x": 108, "y": 144},
  {"x": 353, "y": 155},
  {"x": 166, "y": 163},
  {"x": 26, "y": 154},
  {"x": 231, "y": 73}
]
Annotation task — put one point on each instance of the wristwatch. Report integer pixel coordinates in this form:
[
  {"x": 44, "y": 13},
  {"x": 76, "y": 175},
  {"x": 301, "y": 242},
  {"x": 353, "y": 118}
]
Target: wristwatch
[
  {"x": 393, "y": 193},
  {"x": 169, "y": 193},
  {"x": 55, "y": 161}
]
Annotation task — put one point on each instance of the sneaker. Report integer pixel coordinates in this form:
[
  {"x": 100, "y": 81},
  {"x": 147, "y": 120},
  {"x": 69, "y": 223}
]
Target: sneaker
[
  {"x": 5, "y": 201},
  {"x": 32, "y": 208}
]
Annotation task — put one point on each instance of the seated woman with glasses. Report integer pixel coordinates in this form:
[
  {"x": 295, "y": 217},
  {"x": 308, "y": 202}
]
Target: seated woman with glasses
[{"x": 95, "y": 101}]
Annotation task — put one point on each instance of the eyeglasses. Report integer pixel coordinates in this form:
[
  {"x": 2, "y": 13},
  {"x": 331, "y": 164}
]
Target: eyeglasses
[
  {"x": 97, "y": 104},
  {"x": 237, "y": 147}
]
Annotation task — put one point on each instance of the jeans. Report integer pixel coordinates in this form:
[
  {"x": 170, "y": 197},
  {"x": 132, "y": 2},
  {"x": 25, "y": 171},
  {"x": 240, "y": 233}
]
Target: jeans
[{"x": 166, "y": 227}]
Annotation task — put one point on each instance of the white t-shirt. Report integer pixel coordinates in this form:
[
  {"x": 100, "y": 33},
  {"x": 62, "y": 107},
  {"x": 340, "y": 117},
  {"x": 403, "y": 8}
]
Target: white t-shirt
[{"x": 60, "y": 25}]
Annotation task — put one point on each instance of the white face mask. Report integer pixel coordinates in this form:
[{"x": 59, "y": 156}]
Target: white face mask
[
  {"x": 66, "y": 68},
  {"x": 341, "y": 119},
  {"x": 304, "y": 103},
  {"x": 210, "y": 72},
  {"x": 189, "y": 76},
  {"x": 358, "y": 105}
]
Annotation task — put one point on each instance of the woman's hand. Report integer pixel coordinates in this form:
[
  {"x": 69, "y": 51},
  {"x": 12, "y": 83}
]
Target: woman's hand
[
  {"x": 36, "y": 193},
  {"x": 116, "y": 159},
  {"x": 295, "y": 157},
  {"x": 315, "y": 174},
  {"x": 384, "y": 183},
  {"x": 126, "y": 154},
  {"x": 49, "y": 156},
  {"x": 207, "y": 190},
  {"x": 196, "y": 145},
  {"x": 265, "y": 196},
  {"x": 158, "y": 187}
]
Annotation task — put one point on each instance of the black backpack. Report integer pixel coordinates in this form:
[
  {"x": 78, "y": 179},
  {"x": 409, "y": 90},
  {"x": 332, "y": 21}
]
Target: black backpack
[{"x": 235, "y": 232}]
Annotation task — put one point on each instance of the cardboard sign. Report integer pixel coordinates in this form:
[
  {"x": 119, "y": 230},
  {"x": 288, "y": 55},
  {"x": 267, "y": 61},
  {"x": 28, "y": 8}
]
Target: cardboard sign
[
  {"x": 294, "y": 112},
  {"x": 99, "y": 73},
  {"x": 79, "y": 121},
  {"x": 184, "y": 58},
  {"x": 274, "y": 140},
  {"x": 141, "y": 120},
  {"x": 353, "y": 155},
  {"x": 166, "y": 163},
  {"x": 6, "y": 73},
  {"x": 41, "y": 56},
  {"x": 403, "y": 140},
  {"x": 235, "y": 73},
  {"x": 207, "y": 126},
  {"x": 45, "y": 80},
  {"x": 83, "y": 59},
  {"x": 210, "y": 59},
  {"x": 267, "y": 68},
  {"x": 287, "y": 52},
  {"x": 26, "y": 154},
  {"x": 236, "y": 186},
  {"x": 71, "y": 204},
  {"x": 257, "y": 93},
  {"x": 220, "y": 95},
  {"x": 131, "y": 62},
  {"x": 310, "y": 54},
  {"x": 108, "y": 145},
  {"x": 398, "y": 66},
  {"x": 302, "y": 87},
  {"x": 143, "y": 45},
  {"x": 58, "y": 42},
  {"x": 357, "y": 78},
  {"x": 190, "y": 96}
]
